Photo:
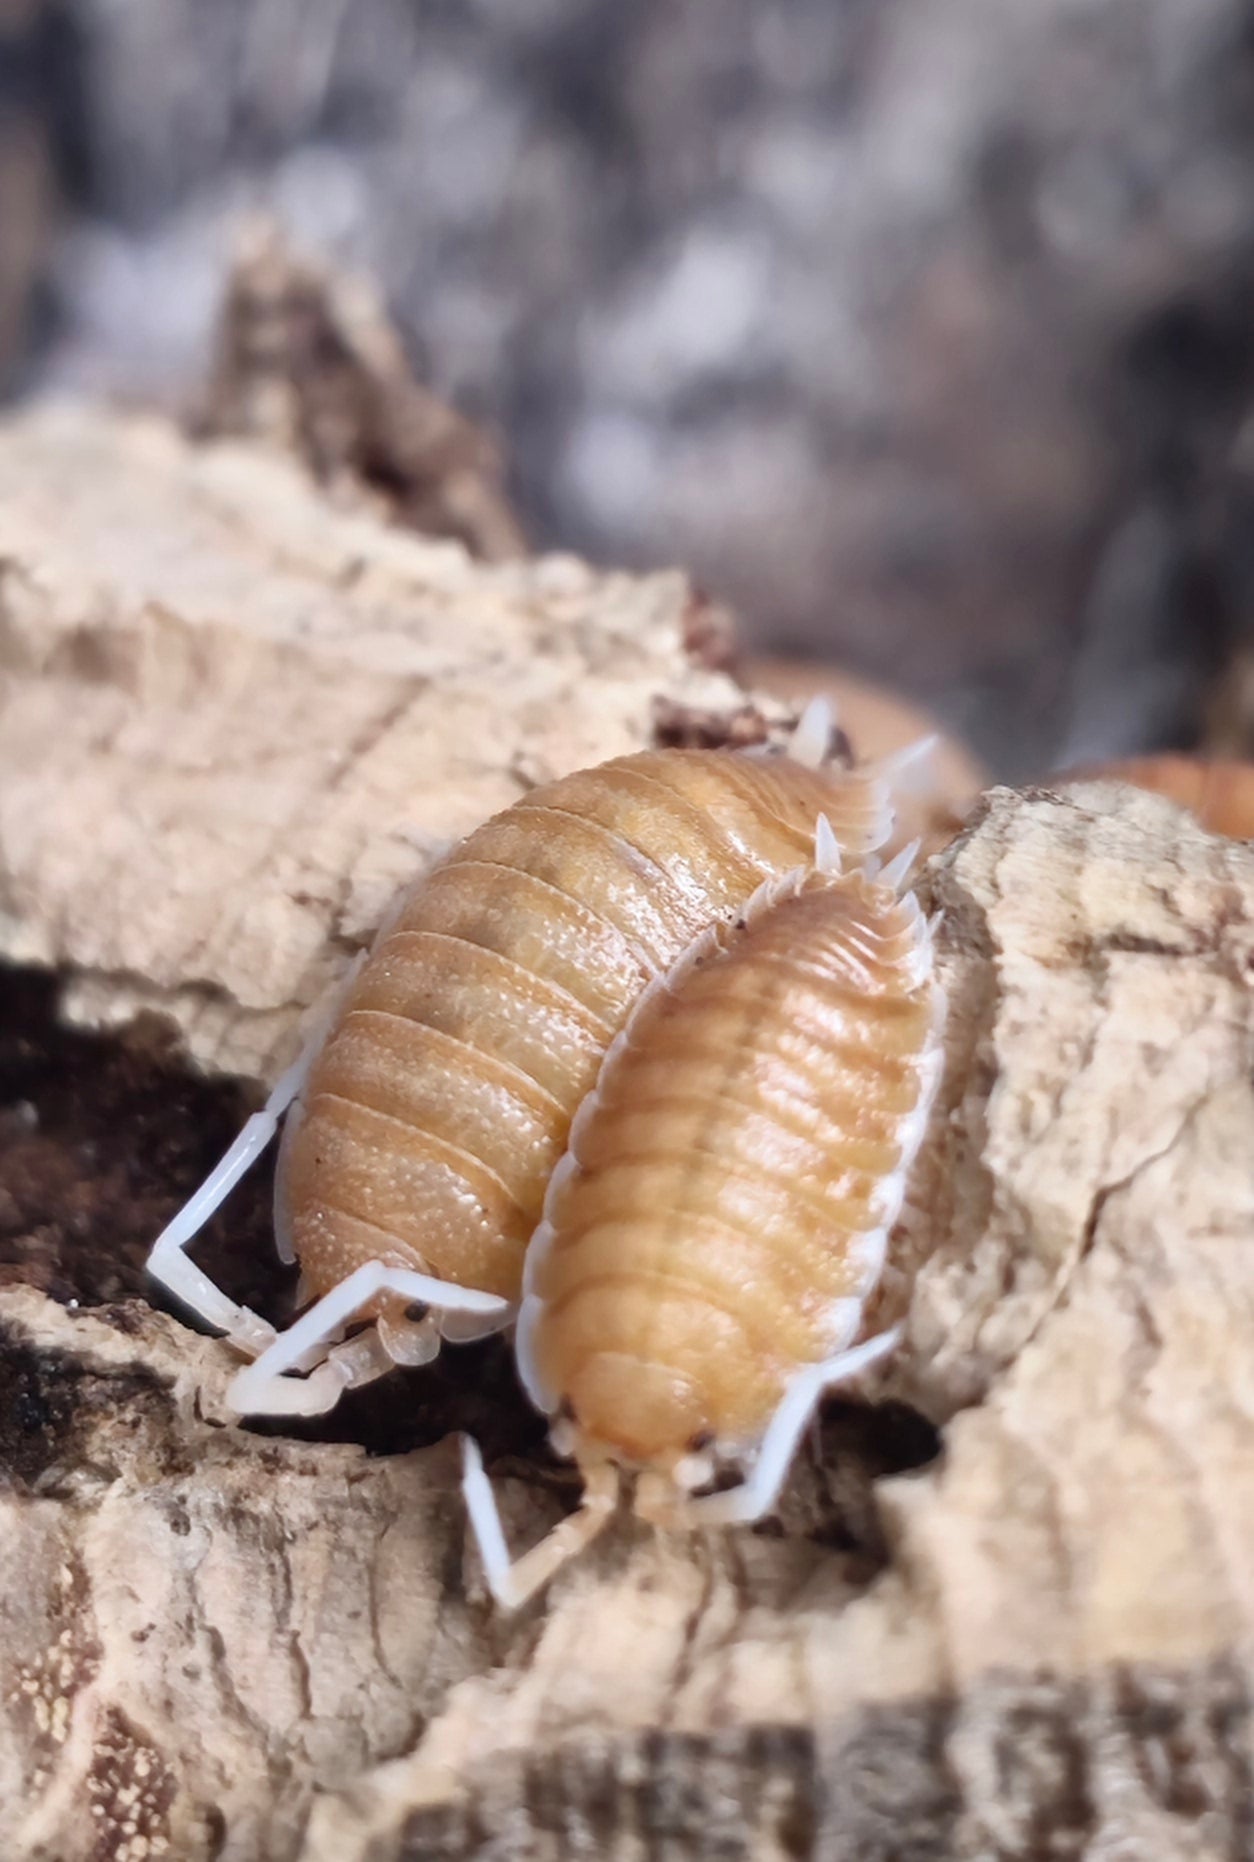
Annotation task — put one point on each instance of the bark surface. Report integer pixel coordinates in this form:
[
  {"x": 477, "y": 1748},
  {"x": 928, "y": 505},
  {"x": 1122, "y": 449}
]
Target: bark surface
[
  {"x": 1005, "y": 1607},
  {"x": 236, "y": 719}
]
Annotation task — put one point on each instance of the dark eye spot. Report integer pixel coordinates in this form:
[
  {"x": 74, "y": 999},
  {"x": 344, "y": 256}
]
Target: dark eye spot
[
  {"x": 417, "y": 1311},
  {"x": 702, "y": 1440}
]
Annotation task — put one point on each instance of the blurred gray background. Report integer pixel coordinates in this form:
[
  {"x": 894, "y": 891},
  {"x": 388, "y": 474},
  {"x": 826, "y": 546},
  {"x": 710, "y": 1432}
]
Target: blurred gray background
[{"x": 921, "y": 332}]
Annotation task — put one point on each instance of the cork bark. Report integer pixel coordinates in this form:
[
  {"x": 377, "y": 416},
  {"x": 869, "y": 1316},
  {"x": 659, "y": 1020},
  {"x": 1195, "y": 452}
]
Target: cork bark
[
  {"x": 1004, "y": 1610},
  {"x": 235, "y": 718}
]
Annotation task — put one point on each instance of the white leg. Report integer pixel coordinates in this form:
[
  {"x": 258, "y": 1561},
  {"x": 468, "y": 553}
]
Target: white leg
[
  {"x": 512, "y": 1584},
  {"x": 168, "y": 1264},
  {"x": 744, "y": 1504},
  {"x": 811, "y": 741},
  {"x": 264, "y": 1389}
]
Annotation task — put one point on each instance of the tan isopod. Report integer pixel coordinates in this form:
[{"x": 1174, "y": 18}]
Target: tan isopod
[
  {"x": 712, "y": 1236},
  {"x": 428, "y": 1119}
]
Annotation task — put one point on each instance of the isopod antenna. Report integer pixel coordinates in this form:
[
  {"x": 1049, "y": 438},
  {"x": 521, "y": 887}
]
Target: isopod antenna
[
  {"x": 168, "y": 1262},
  {"x": 513, "y": 1583}
]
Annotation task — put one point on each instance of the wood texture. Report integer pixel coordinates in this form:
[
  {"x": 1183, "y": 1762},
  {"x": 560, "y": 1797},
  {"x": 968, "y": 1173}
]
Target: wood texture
[
  {"x": 235, "y": 720},
  {"x": 226, "y": 1644}
]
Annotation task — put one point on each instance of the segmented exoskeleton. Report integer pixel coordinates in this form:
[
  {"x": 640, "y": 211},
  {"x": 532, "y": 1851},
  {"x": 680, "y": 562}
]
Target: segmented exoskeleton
[
  {"x": 428, "y": 1120},
  {"x": 712, "y": 1236}
]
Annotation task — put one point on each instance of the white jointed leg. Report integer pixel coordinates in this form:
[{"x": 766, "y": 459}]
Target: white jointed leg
[
  {"x": 741, "y": 1506},
  {"x": 168, "y": 1264},
  {"x": 512, "y": 1584},
  {"x": 266, "y": 1389},
  {"x": 811, "y": 741}
]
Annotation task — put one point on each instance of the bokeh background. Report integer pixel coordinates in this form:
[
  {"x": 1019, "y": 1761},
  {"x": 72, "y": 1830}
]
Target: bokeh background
[{"x": 922, "y": 334}]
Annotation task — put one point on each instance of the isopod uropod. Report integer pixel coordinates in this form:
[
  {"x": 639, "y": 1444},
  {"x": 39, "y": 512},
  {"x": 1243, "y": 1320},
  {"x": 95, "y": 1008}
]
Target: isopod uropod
[
  {"x": 712, "y": 1235},
  {"x": 428, "y": 1120}
]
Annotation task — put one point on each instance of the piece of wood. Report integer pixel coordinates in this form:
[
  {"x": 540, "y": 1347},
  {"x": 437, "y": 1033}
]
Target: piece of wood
[
  {"x": 1005, "y": 1612},
  {"x": 235, "y": 720}
]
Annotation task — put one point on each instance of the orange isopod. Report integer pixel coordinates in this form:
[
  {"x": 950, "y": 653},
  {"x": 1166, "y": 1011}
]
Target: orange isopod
[
  {"x": 721, "y": 1216},
  {"x": 428, "y": 1120}
]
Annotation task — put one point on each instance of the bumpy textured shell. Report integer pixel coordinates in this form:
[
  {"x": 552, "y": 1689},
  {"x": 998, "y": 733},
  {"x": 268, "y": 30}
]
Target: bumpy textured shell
[
  {"x": 722, "y": 1213},
  {"x": 443, "y": 1098},
  {"x": 1220, "y": 793}
]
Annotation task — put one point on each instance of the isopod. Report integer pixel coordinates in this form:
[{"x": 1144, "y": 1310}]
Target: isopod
[
  {"x": 719, "y": 1221},
  {"x": 429, "y": 1117}
]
